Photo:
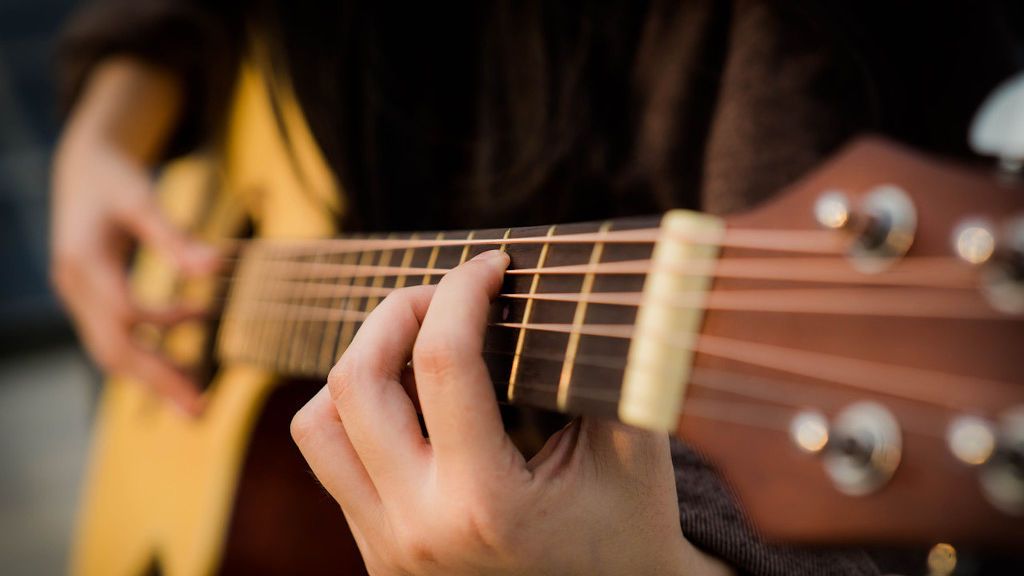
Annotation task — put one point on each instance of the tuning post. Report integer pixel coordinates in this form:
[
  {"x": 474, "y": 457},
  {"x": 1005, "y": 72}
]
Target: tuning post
[
  {"x": 883, "y": 226},
  {"x": 971, "y": 439},
  {"x": 1003, "y": 279},
  {"x": 1002, "y": 477},
  {"x": 864, "y": 448},
  {"x": 832, "y": 210},
  {"x": 809, "y": 431},
  {"x": 974, "y": 241}
]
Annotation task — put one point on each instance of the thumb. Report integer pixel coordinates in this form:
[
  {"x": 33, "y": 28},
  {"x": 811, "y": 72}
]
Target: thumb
[{"x": 144, "y": 219}]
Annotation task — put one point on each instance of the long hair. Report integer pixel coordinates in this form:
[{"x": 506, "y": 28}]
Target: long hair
[{"x": 516, "y": 112}]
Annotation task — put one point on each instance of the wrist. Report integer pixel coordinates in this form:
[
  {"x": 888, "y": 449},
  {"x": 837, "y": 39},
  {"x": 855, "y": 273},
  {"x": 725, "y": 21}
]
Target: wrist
[{"x": 692, "y": 561}]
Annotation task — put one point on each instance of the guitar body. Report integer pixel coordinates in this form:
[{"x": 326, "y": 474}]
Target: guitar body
[{"x": 227, "y": 492}]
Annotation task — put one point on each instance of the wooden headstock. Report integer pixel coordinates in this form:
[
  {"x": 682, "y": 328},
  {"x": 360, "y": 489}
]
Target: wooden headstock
[{"x": 879, "y": 400}]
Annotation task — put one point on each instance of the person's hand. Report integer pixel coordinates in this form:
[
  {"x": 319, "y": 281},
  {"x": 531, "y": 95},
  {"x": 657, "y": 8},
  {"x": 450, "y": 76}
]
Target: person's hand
[
  {"x": 598, "y": 499},
  {"x": 103, "y": 202}
]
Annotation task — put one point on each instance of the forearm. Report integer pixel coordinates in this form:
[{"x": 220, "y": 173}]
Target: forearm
[{"x": 128, "y": 105}]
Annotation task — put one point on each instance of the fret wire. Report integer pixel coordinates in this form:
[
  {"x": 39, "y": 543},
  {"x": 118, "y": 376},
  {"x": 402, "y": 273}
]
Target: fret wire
[
  {"x": 334, "y": 327},
  {"x": 300, "y": 343},
  {"x": 279, "y": 335},
  {"x": 521, "y": 338},
  {"x": 504, "y": 245},
  {"x": 314, "y": 333},
  {"x": 331, "y": 332},
  {"x": 275, "y": 332},
  {"x": 228, "y": 336},
  {"x": 292, "y": 327},
  {"x": 341, "y": 343},
  {"x": 432, "y": 260},
  {"x": 257, "y": 327},
  {"x": 572, "y": 346},
  {"x": 378, "y": 281},
  {"x": 465, "y": 248},
  {"x": 263, "y": 344},
  {"x": 406, "y": 261}
]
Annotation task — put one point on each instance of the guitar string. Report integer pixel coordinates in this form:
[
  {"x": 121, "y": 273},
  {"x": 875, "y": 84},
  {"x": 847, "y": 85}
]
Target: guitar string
[
  {"x": 896, "y": 302},
  {"x": 757, "y": 406},
  {"x": 922, "y": 271},
  {"x": 793, "y": 394},
  {"x": 808, "y": 241},
  {"x": 878, "y": 377},
  {"x": 727, "y": 409},
  {"x": 643, "y": 267}
]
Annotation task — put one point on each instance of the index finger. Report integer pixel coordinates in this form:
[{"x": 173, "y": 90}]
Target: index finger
[{"x": 452, "y": 381}]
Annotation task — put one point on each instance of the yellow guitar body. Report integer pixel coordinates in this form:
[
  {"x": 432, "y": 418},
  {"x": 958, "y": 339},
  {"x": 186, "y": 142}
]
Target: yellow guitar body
[{"x": 160, "y": 486}]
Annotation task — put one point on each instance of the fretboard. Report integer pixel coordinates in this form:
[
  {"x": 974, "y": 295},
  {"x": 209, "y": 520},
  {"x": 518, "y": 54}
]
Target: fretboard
[{"x": 558, "y": 335}]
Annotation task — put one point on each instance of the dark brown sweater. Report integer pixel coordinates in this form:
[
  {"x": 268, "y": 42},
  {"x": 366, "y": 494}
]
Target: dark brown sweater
[{"x": 701, "y": 103}]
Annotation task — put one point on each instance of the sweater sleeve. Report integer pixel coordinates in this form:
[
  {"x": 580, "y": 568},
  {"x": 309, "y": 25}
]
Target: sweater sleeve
[
  {"x": 712, "y": 521},
  {"x": 197, "y": 40}
]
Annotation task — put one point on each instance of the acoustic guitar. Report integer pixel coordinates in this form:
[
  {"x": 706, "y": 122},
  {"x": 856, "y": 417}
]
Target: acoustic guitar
[{"x": 849, "y": 355}]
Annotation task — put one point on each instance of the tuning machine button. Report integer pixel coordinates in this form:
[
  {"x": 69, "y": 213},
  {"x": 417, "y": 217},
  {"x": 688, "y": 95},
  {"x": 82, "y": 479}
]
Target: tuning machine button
[
  {"x": 860, "y": 450},
  {"x": 883, "y": 225},
  {"x": 971, "y": 439},
  {"x": 1003, "y": 277},
  {"x": 974, "y": 240},
  {"x": 864, "y": 449},
  {"x": 998, "y": 127},
  {"x": 1002, "y": 476}
]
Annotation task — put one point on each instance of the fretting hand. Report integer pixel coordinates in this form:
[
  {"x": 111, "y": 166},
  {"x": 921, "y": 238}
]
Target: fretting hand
[{"x": 599, "y": 498}]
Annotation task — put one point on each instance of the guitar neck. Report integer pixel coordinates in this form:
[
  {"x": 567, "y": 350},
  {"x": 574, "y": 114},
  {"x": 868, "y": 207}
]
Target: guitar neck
[
  {"x": 834, "y": 347},
  {"x": 560, "y": 332}
]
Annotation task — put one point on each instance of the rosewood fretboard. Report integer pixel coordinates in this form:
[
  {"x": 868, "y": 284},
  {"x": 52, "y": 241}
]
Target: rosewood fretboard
[{"x": 295, "y": 311}]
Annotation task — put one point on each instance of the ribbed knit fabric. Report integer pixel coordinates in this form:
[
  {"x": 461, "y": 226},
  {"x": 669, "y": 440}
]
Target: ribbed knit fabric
[{"x": 713, "y": 522}]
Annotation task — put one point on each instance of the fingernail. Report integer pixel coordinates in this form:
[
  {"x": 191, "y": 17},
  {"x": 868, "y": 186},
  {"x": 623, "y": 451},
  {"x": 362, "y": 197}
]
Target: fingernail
[{"x": 490, "y": 255}]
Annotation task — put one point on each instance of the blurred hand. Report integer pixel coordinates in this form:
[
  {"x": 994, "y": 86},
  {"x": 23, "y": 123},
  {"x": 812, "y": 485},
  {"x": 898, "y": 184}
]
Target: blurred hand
[
  {"x": 102, "y": 203},
  {"x": 598, "y": 499}
]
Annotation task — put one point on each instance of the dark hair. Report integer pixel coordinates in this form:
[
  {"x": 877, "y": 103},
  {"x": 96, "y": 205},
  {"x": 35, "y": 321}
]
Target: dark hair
[{"x": 516, "y": 112}]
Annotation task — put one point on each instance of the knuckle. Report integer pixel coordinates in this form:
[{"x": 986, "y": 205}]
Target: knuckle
[
  {"x": 415, "y": 548},
  {"x": 135, "y": 206},
  {"x": 339, "y": 380},
  {"x": 398, "y": 297},
  {"x": 436, "y": 357},
  {"x": 64, "y": 269},
  {"x": 302, "y": 426},
  {"x": 484, "y": 526},
  {"x": 108, "y": 353}
]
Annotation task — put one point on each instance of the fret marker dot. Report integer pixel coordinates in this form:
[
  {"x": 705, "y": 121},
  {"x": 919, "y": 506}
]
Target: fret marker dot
[
  {"x": 506, "y": 311},
  {"x": 809, "y": 431}
]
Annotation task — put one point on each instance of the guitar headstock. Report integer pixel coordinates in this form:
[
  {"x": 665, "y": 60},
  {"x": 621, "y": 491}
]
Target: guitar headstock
[{"x": 866, "y": 383}]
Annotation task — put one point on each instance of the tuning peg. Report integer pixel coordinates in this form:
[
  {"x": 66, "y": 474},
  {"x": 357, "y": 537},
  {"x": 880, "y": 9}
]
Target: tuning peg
[
  {"x": 883, "y": 224},
  {"x": 998, "y": 126},
  {"x": 1002, "y": 477},
  {"x": 860, "y": 448}
]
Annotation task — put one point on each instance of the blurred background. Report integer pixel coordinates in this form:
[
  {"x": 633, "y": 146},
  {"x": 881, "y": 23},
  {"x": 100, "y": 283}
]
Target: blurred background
[{"x": 46, "y": 385}]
